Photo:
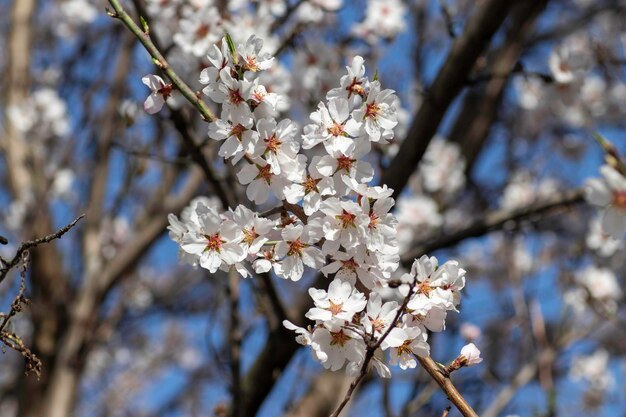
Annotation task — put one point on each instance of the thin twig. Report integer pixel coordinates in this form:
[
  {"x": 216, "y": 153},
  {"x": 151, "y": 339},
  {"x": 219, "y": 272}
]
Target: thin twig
[
  {"x": 32, "y": 243},
  {"x": 493, "y": 221},
  {"x": 447, "y": 17},
  {"x": 371, "y": 349},
  {"x": 160, "y": 61},
  {"x": 234, "y": 342}
]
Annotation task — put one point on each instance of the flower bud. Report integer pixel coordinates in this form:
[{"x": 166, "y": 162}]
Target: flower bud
[{"x": 470, "y": 355}]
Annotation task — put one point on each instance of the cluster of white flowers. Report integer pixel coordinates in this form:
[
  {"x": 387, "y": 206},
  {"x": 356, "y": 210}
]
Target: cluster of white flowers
[
  {"x": 383, "y": 19},
  {"x": 71, "y": 15},
  {"x": 338, "y": 206},
  {"x": 43, "y": 113},
  {"x": 443, "y": 167},
  {"x": 348, "y": 323},
  {"x": 330, "y": 219},
  {"x": 523, "y": 190},
  {"x": 593, "y": 369}
]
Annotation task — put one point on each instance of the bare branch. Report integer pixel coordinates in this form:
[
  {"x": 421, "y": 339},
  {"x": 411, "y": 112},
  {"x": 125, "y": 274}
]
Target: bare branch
[
  {"x": 450, "y": 80},
  {"x": 443, "y": 380},
  {"x": 33, "y": 243},
  {"x": 494, "y": 221}
]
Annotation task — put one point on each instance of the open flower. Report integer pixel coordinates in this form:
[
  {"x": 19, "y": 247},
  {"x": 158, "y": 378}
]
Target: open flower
[
  {"x": 214, "y": 240},
  {"x": 342, "y": 301},
  {"x": 161, "y": 91},
  {"x": 296, "y": 250}
]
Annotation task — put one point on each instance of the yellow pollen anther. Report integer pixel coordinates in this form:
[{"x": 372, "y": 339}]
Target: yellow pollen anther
[{"x": 372, "y": 110}]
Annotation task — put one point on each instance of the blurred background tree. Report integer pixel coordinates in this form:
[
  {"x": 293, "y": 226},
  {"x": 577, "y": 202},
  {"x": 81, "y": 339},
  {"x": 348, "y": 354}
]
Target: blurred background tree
[{"x": 500, "y": 100}]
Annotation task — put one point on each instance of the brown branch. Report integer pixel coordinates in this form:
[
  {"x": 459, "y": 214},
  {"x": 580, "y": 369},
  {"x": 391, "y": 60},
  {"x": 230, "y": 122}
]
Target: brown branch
[
  {"x": 450, "y": 80},
  {"x": 480, "y": 106},
  {"x": 372, "y": 345},
  {"x": 132, "y": 251},
  {"x": 493, "y": 221},
  {"x": 226, "y": 196},
  {"x": 15, "y": 149},
  {"x": 234, "y": 342},
  {"x": 25, "y": 246},
  {"x": 443, "y": 380}
]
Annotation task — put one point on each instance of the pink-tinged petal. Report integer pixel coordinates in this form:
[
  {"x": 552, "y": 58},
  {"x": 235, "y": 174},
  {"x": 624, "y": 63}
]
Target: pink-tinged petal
[
  {"x": 247, "y": 174},
  {"x": 258, "y": 191},
  {"x": 292, "y": 232},
  {"x": 293, "y": 268},
  {"x": 395, "y": 338},
  {"x": 294, "y": 194},
  {"x": 331, "y": 268},
  {"x": 154, "y": 82},
  {"x": 210, "y": 260},
  {"x": 262, "y": 266},
  {"x": 230, "y": 147},
  {"x": 232, "y": 253},
  {"x": 192, "y": 243},
  {"x": 154, "y": 103},
  {"x": 339, "y": 109},
  {"x": 281, "y": 249}
]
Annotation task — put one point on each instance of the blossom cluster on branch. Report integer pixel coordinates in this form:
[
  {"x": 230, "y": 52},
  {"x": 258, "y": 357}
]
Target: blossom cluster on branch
[{"x": 331, "y": 218}]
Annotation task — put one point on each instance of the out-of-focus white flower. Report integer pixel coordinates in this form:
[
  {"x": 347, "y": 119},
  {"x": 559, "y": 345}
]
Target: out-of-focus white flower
[
  {"x": 71, "y": 15},
  {"x": 63, "y": 182},
  {"x": 417, "y": 216},
  {"x": 43, "y": 113},
  {"x": 383, "y": 19},
  {"x": 609, "y": 192},
  {"x": 470, "y": 331},
  {"x": 313, "y": 10},
  {"x": 601, "y": 242},
  {"x": 570, "y": 60},
  {"x": 198, "y": 30},
  {"x": 601, "y": 284},
  {"x": 522, "y": 190},
  {"x": 443, "y": 167},
  {"x": 593, "y": 369}
]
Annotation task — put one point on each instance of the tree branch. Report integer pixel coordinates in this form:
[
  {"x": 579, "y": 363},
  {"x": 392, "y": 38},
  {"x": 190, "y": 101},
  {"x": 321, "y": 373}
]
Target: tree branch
[
  {"x": 443, "y": 380},
  {"x": 493, "y": 221},
  {"x": 449, "y": 82}
]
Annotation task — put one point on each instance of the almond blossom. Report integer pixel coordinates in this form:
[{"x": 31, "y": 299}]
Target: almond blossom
[
  {"x": 161, "y": 91},
  {"x": 296, "y": 250},
  {"x": 342, "y": 301},
  {"x": 378, "y": 113},
  {"x": 214, "y": 240},
  {"x": 331, "y": 218}
]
